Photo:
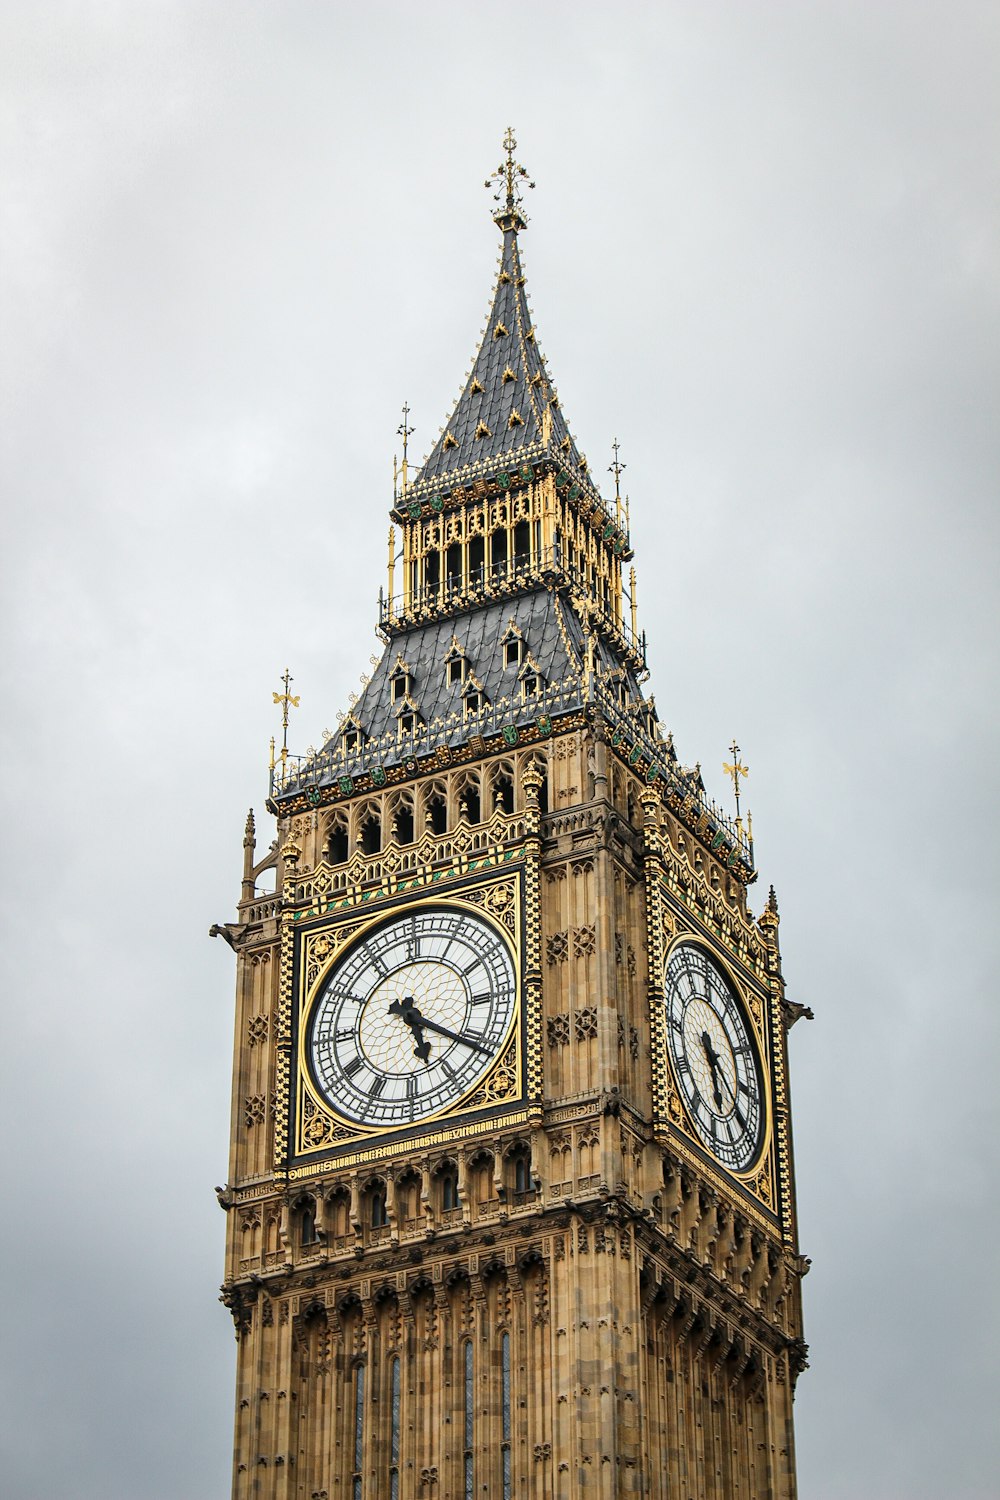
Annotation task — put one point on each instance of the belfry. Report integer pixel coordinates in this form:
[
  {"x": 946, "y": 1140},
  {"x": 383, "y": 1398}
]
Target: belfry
[{"x": 510, "y": 1206}]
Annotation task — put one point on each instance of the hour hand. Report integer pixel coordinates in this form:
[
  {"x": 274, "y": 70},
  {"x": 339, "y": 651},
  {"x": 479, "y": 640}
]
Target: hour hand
[{"x": 407, "y": 1010}]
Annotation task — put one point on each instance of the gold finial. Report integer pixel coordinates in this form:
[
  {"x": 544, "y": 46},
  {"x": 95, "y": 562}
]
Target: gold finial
[
  {"x": 286, "y": 699},
  {"x": 508, "y": 177},
  {"x": 617, "y": 469},
  {"x": 736, "y": 770},
  {"x": 633, "y": 603},
  {"x": 405, "y": 431}
]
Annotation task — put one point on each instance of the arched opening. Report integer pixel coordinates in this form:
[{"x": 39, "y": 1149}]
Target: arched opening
[
  {"x": 503, "y": 793},
  {"x": 338, "y": 846},
  {"x": 432, "y": 571},
  {"x": 404, "y": 823},
  {"x": 498, "y": 551},
  {"x": 453, "y": 565},
  {"x": 408, "y": 1199},
  {"x": 519, "y": 1171},
  {"x": 340, "y": 1215},
  {"x": 307, "y": 1223},
  {"x": 437, "y": 812},
  {"x": 522, "y": 543},
  {"x": 477, "y": 557},
  {"x": 448, "y": 1187},
  {"x": 371, "y": 834},
  {"x": 471, "y": 802},
  {"x": 377, "y": 1211}
]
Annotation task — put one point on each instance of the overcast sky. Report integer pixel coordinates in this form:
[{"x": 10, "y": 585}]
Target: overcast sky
[{"x": 235, "y": 237}]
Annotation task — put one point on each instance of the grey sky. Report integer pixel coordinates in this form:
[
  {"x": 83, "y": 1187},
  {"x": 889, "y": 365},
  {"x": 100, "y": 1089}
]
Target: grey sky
[{"x": 763, "y": 253}]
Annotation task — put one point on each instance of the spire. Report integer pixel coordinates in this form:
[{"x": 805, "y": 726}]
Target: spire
[{"x": 508, "y": 409}]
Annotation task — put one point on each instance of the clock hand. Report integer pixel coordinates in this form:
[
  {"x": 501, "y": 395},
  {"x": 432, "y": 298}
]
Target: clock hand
[
  {"x": 408, "y": 1012},
  {"x": 736, "y": 1103},
  {"x": 454, "y": 1036},
  {"x": 713, "y": 1063}
]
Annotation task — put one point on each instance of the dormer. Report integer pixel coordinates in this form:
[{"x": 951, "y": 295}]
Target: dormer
[
  {"x": 352, "y": 736},
  {"x": 408, "y": 716},
  {"x": 474, "y": 695},
  {"x": 456, "y": 664},
  {"x": 617, "y": 681},
  {"x": 513, "y": 645},
  {"x": 530, "y": 677},
  {"x": 400, "y": 681}
]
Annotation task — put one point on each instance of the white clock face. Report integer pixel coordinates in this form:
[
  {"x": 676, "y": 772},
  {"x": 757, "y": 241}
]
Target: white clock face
[
  {"x": 410, "y": 1019},
  {"x": 713, "y": 1057}
]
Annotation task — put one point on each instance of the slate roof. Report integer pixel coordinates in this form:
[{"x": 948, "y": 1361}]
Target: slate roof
[
  {"x": 552, "y": 634},
  {"x": 501, "y": 412}
]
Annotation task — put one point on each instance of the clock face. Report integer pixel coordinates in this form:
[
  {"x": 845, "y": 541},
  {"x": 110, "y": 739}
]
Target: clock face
[
  {"x": 412, "y": 1017},
  {"x": 714, "y": 1059}
]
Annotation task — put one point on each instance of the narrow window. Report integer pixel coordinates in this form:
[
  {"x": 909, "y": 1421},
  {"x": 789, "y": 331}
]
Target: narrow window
[
  {"x": 394, "y": 1438},
  {"x": 529, "y": 686},
  {"x": 512, "y": 654},
  {"x": 406, "y": 723},
  {"x": 521, "y": 1180},
  {"x": 432, "y": 570},
  {"x": 359, "y": 1428},
  {"x": 505, "y": 1403},
  {"x": 371, "y": 835},
  {"x": 456, "y": 669},
  {"x": 379, "y": 1219},
  {"x": 449, "y": 1191},
  {"x": 477, "y": 553},
  {"x": 469, "y": 1400},
  {"x": 307, "y": 1222},
  {"x": 338, "y": 846},
  {"x": 404, "y": 824},
  {"x": 522, "y": 542},
  {"x": 453, "y": 563},
  {"x": 498, "y": 552},
  {"x": 439, "y": 816}
]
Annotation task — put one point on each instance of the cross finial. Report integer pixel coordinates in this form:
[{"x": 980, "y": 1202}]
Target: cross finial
[
  {"x": 617, "y": 469},
  {"x": 508, "y": 178},
  {"x": 736, "y": 770},
  {"x": 286, "y": 699}
]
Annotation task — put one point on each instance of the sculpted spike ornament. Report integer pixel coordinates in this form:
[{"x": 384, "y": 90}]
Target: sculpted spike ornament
[{"x": 508, "y": 177}]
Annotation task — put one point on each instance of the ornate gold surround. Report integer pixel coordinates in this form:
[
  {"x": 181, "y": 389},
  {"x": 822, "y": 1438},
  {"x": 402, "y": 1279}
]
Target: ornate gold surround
[
  {"x": 316, "y": 1128},
  {"x": 760, "y": 1178}
]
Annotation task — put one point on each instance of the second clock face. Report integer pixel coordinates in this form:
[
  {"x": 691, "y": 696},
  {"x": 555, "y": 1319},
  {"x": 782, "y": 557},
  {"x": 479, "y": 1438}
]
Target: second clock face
[
  {"x": 412, "y": 1017},
  {"x": 713, "y": 1056}
]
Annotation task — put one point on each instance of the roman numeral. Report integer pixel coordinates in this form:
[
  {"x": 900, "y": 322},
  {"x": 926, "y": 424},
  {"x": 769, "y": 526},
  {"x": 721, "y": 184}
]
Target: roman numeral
[
  {"x": 352, "y": 1067},
  {"x": 377, "y": 1086}
]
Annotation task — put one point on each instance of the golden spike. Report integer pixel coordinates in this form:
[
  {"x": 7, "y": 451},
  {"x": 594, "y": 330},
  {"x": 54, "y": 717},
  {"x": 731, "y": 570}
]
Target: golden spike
[
  {"x": 392, "y": 563},
  {"x": 633, "y": 602},
  {"x": 287, "y": 700},
  {"x": 736, "y": 770}
]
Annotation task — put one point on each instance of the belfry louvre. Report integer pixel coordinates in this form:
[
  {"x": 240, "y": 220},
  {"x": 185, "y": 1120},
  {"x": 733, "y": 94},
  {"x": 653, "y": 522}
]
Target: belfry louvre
[{"x": 510, "y": 1205}]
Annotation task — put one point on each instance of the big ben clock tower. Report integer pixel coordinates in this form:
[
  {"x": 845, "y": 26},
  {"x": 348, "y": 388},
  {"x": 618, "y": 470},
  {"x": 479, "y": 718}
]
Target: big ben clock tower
[{"x": 510, "y": 1207}]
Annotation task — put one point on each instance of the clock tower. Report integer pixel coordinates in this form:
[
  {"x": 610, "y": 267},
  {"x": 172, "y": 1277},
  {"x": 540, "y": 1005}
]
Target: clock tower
[{"x": 510, "y": 1206}]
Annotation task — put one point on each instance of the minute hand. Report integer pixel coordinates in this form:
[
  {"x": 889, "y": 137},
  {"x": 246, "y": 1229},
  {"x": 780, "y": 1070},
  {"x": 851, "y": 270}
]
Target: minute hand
[{"x": 454, "y": 1036}]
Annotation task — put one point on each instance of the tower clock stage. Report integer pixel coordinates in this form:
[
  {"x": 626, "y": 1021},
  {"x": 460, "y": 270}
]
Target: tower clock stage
[{"x": 510, "y": 1203}]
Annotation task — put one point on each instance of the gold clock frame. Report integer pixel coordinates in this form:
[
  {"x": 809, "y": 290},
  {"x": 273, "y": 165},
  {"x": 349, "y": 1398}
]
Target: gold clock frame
[
  {"x": 760, "y": 1178},
  {"x": 317, "y": 1130}
]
